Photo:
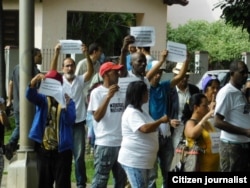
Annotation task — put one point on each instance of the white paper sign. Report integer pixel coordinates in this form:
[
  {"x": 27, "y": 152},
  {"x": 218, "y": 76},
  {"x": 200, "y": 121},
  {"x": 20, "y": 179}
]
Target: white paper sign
[
  {"x": 177, "y": 52},
  {"x": 71, "y": 46},
  {"x": 144, "y": 35},
  {"x": 53, "y": 88},
  {"x": 123, "y": 84},
  {"x": 215, "y": 141}
]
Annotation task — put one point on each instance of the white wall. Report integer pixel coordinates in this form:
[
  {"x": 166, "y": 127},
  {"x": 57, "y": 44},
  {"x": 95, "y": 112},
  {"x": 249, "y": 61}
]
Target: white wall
[
  {"x": 151, "y": 13},
  {"x": 51, "y": 15},
  {"x": 195, "y": 10}
]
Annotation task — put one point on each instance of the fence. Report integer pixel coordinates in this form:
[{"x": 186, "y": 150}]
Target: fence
[{"x": 48, "y": 54}]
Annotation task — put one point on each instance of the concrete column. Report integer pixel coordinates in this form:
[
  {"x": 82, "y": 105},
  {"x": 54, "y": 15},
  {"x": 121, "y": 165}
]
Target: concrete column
[
  {"x": 200, "y": 66},
  {"x": 11, "y": 55},
  {"x": 246, "y": 58},
  {"x": 201, "y": 62},
  {"x": 22, "y": 173}
]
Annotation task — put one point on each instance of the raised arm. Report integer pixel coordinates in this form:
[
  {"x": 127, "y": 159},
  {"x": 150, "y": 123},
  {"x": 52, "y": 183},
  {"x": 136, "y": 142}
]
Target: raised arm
[
  {"x": 90, "y": 68},
  {"x": 124, "y": 51},
  {"x": 150, "y": 74},
  {"x": 10, "y": 93},
  {"x": 54, "y": 61},
  {"x": 182, "y": 72}
]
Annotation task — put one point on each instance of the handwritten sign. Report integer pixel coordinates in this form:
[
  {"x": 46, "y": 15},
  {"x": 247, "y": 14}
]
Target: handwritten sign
[
  {"x": 177, "y": 52},
  {"x": 144, "y": 35},
  {"x": 53, "y": 88},
  {"x": 71, "y": 46}
]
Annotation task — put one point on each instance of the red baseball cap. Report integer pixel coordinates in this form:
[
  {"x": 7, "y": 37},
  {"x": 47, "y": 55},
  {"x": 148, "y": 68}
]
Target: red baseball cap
[
  {"x": 54, "y": 75},
  {"x": 105, "y": 67}
]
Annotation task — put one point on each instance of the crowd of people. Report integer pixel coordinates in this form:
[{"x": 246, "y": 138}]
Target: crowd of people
[{"x": 135, "y": 130}]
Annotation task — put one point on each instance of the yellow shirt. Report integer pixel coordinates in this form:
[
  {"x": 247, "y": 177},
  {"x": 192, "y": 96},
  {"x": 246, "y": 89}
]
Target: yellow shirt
[{"x": 209, "y": 162}]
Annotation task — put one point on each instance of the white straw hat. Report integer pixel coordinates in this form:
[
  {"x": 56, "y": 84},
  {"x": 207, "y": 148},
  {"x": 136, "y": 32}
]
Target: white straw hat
[{"x": 177, "y": 68}]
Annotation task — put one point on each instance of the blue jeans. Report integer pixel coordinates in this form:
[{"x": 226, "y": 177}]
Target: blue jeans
[
  {"x": 105, "y": 160},
  {"x": 79, "y": 154},
  {"x": 16, "y": 132},
  {"x": 165, "y": 156},
  {"x": 91, "y": 134},
  {"x": 137, "y": 177}
]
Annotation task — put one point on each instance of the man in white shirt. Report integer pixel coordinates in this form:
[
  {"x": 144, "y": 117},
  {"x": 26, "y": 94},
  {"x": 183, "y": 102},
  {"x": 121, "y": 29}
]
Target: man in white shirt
[
  {"x": 74, "y": 86},
  {"x": 107, "y": 104},
  {"x": 232, "y": 116}
]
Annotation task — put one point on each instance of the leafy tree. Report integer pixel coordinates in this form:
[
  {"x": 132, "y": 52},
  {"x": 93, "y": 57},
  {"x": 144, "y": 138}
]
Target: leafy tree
[
  {"x": 108, "y": 29},
  {"x": 222, "y": 41},
  {"x": 236, "y": 13}
]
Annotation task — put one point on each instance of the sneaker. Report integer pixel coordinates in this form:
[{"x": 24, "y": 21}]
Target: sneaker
[
  {"x": 9, "y": 111},
  {"x": 8, "y": 151}
]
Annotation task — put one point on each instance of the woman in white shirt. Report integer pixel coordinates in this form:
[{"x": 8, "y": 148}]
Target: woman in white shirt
[{"x": 139, "y": 145}]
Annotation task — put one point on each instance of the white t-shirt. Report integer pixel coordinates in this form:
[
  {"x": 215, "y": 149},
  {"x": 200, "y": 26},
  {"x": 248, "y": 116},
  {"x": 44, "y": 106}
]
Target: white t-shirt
[
  {"x": 82, "y": 68},
  {"x": 138, "y": 150},
  {"x": 108, "y": 129},
  {"x": 75, "y": 91},
  {"x": 230, "y": 102},
  {"x": 183, "y": 99}
]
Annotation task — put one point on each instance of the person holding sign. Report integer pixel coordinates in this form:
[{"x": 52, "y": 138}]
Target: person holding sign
[
  {"x": 74, "y": 85},
  {"x": 51, "y": 131},
  {"x": 152, "y": 78},
  {"x": 138, "y": 64},
  {"x": 106, "y": 105},
  {"x": 158, "y": 107},
  {"x": 95, "y": 52}
]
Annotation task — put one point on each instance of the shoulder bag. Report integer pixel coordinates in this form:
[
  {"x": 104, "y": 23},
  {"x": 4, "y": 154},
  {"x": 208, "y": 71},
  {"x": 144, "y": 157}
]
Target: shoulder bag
[{"x": 186, "y": 159}]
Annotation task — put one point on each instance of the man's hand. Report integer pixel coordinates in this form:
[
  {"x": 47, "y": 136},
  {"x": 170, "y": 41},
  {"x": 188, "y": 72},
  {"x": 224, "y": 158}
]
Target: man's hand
[
  {"x": 175, "y": 123},
  {"x": 129, "y": 39},
  {"x": 164, "y": 54},
  {"x": 112, "y": 89},
  {"x": 84, "y": 49},
  {"x": 57, "y": 48}
]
